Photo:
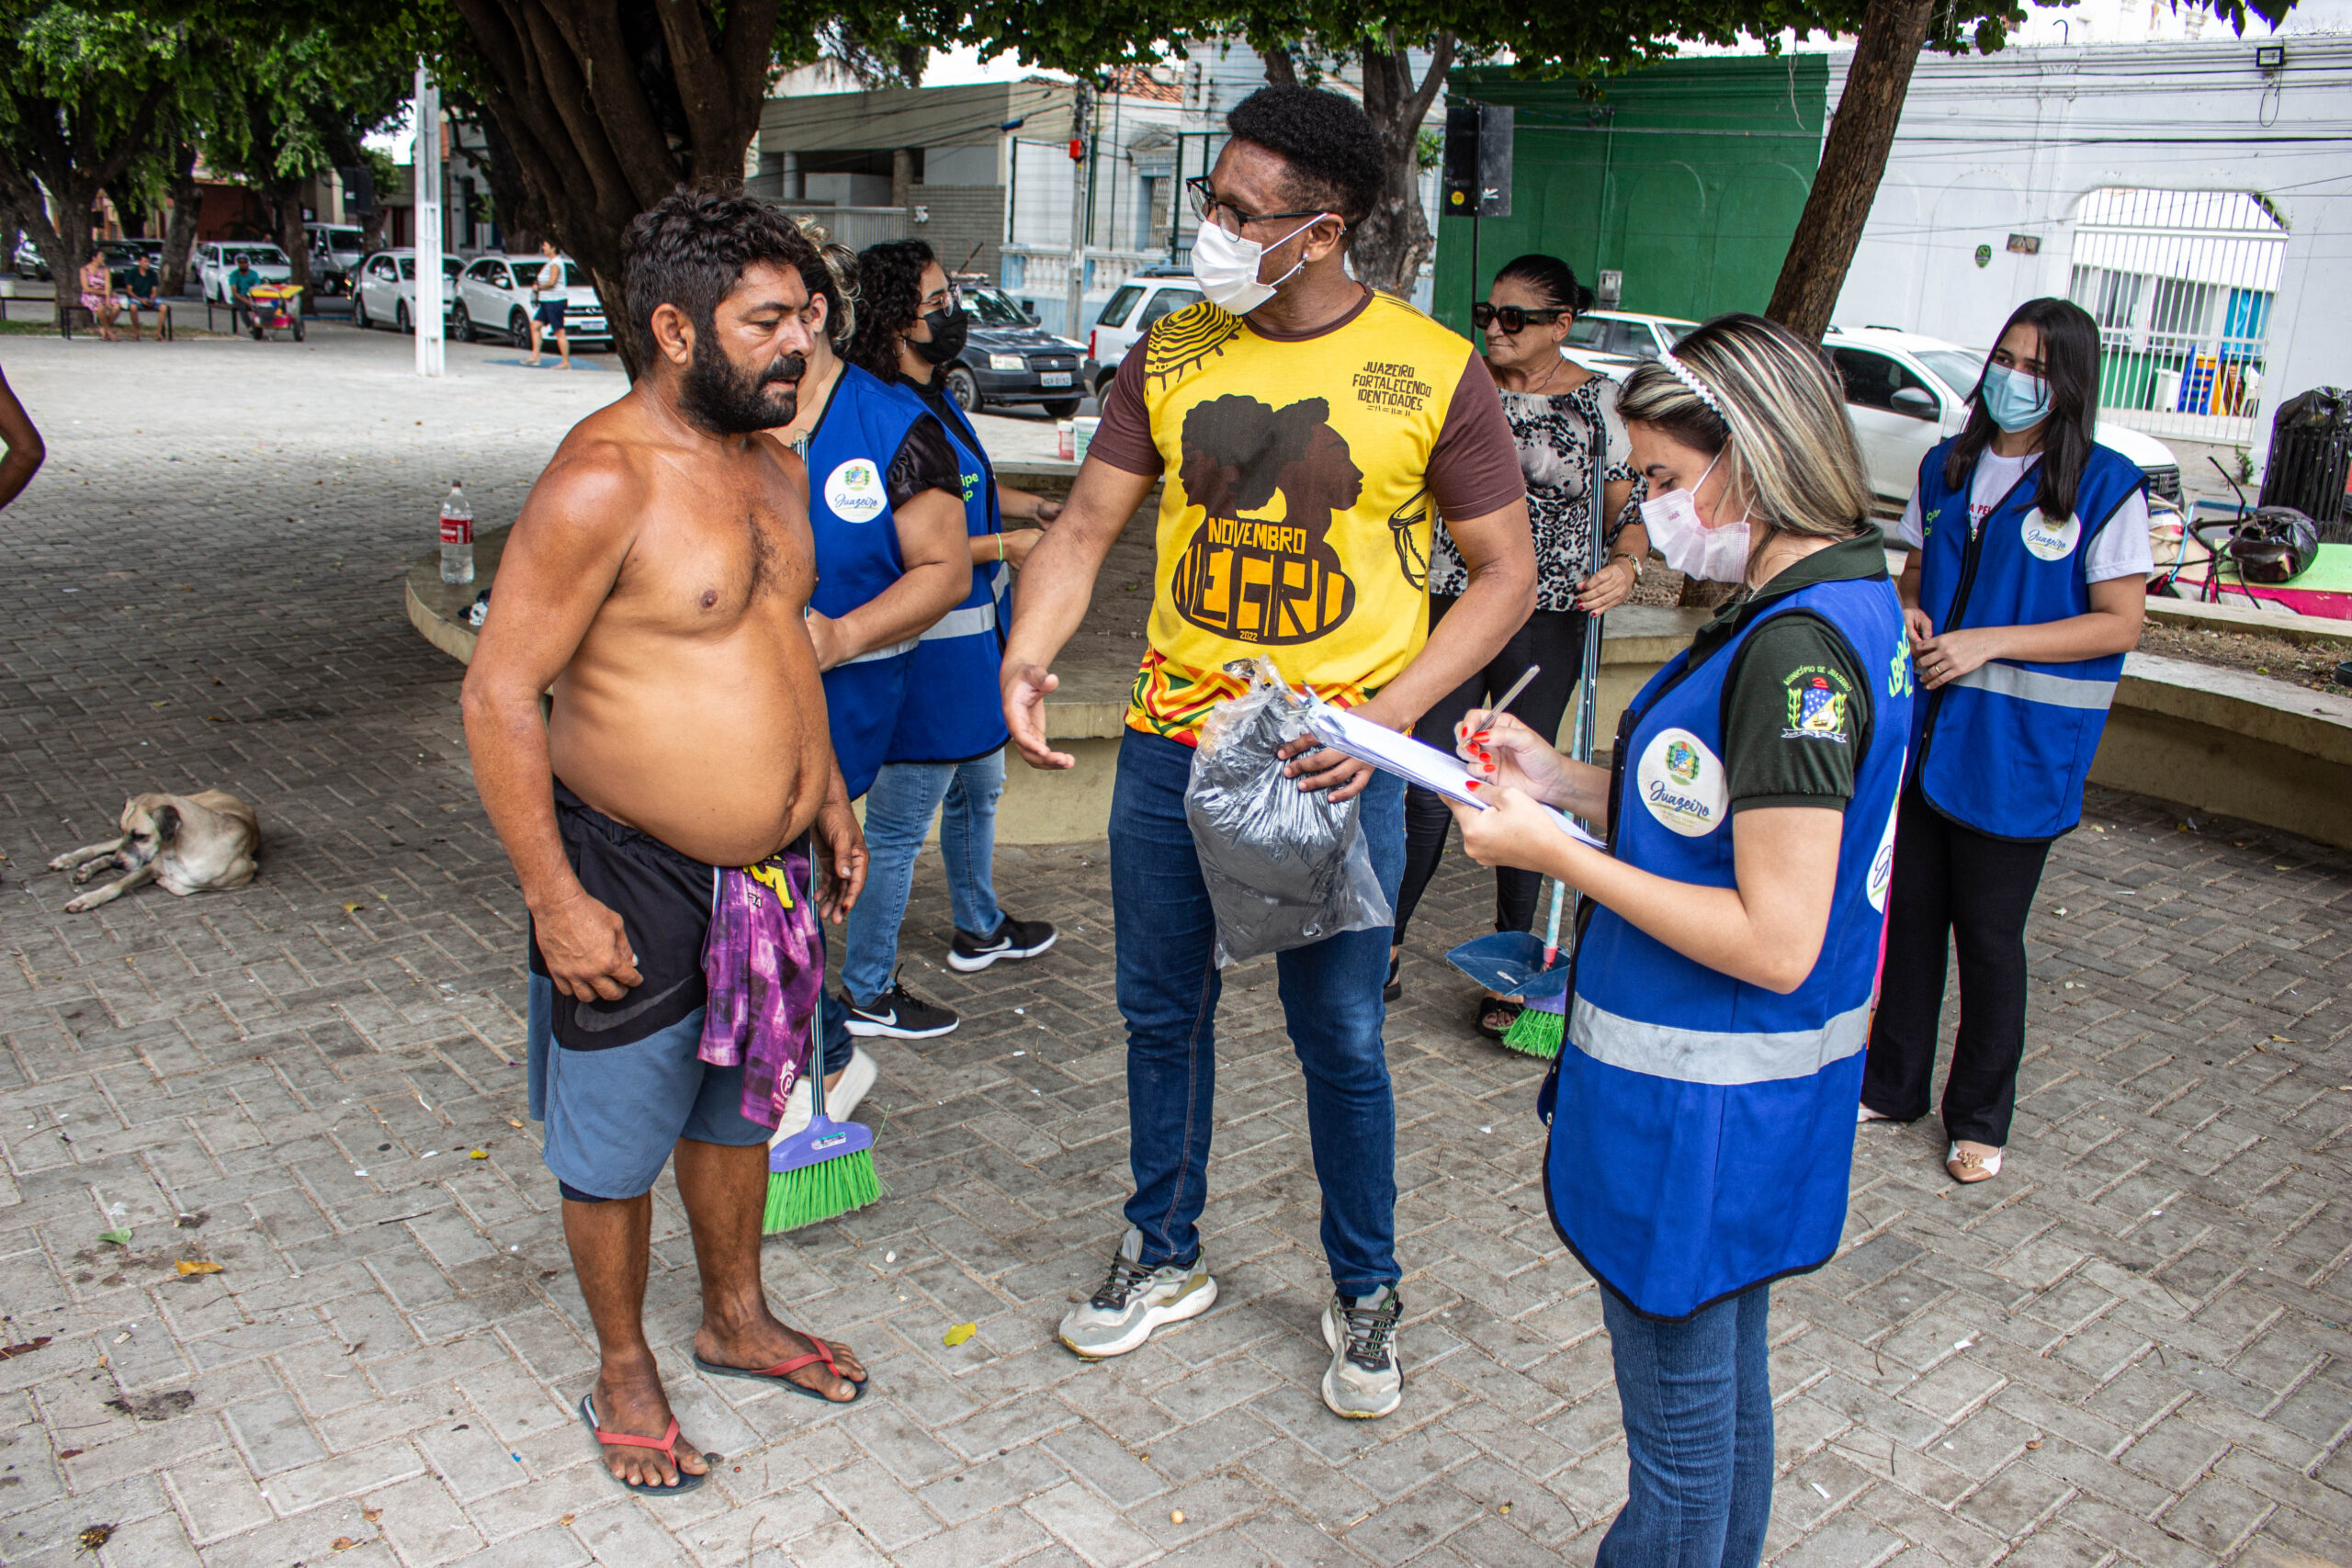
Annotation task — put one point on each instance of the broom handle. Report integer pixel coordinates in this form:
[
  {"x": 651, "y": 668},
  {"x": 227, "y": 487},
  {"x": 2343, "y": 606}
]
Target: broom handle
[
  {"x": 815, "y": 1013},
  {"x": 1587, "y": 721}
]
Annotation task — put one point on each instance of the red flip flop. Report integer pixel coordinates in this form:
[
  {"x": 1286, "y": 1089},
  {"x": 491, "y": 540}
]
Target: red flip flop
[
  {"x": 687, "y": 1479},
  {"x": 781, "y": 1373}
]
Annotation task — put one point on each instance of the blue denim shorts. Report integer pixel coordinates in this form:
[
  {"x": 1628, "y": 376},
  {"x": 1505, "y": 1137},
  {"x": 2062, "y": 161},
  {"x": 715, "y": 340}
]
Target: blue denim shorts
[{"x": 612, "y": 1115}]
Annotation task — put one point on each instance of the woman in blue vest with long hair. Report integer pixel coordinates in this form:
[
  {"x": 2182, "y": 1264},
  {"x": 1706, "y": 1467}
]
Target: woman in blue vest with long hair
[
  {"x": 2026, "y": 585},
  {"x": 945, "y": 758},
  {"x": 886, "y": 513},
  {"x": 1727, "y": 947}
]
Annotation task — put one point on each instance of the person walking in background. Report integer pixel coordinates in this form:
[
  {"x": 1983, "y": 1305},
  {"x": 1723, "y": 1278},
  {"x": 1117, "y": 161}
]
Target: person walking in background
[
  {"x": 886, "y": 505},
  {"x": 1385, "y": 419},
  {"x": 946, "y": 755},
  {"x": 1572, "y": 452},
  {"x": 2026, "y": 585},
  {"x": 551, "y": 299},
  {"x": 1699, "y": 1146}
]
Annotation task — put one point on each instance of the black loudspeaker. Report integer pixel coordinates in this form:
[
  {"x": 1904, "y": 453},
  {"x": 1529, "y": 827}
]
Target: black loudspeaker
[
  {"x": 1477, "y": 161},
  {"x": 358, "y": 188}
]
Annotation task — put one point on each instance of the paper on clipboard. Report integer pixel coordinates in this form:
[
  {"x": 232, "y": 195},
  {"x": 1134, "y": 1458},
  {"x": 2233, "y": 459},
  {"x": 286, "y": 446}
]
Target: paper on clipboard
[{"x": 1411, "y": 761}]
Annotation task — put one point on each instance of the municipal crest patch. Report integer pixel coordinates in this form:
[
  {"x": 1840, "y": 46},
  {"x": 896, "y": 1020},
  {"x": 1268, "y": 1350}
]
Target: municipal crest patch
[{"x": 1818, "y": 701}]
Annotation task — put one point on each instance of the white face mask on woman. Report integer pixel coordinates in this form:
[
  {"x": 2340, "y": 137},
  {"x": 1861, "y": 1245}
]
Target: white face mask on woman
[
  {"x": 1225, "y": 266},
  {"x": 1690, "y": 548}
]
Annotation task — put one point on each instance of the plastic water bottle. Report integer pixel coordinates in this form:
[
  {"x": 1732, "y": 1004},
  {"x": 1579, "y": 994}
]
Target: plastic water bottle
[{"x": 457, "y": 536}]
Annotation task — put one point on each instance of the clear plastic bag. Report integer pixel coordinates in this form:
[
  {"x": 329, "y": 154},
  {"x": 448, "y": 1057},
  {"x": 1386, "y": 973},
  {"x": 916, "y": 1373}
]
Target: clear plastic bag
[{"x": 1284, "y": 866}]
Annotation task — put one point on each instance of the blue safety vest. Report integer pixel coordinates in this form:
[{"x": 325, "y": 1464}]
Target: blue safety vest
[
  {"x": 1702, "y": 1128},
  {"x": 857, "y": 557},
  {"x": 958, "y": 713},
  {"x": 2005, "y": 748}
]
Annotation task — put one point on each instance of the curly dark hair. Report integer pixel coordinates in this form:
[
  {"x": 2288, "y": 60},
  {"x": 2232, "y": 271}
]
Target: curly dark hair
[
  {"x": 890, "y": 301},
  {"x": 691, "y": 248},
  {"x": 1333, "y": 150}
]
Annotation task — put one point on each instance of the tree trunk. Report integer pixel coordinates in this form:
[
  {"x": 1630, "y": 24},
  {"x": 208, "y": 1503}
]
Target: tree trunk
[
  {"x": 179, "y": 238},
  {"x": 610, "y": 106},
  {"x": 55, "y": 146},
  {"x": 1852, "y": 160},
  {"x": 285, "y": 202},
  {"x": 1389, "y": 246}
]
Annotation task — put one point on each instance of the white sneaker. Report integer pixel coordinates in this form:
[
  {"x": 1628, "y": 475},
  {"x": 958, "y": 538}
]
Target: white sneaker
[
  {"x": 799, "y": 1107},
  {"x": 1133, "y": 1300},
  {"x": 1364, "y": 1379}
]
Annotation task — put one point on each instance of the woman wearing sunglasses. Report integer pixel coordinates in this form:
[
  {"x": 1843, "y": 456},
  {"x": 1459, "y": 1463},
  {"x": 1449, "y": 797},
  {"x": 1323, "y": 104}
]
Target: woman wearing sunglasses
[
  {"x": 1572, "y": 448},
  {"x": 2026, "y": 585}
]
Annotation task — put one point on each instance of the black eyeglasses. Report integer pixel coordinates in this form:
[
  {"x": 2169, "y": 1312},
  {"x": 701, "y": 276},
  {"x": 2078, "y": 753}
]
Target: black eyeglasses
[
  {"x": 1206, "y": 203},
  {"x": 1512, "y": 319}
]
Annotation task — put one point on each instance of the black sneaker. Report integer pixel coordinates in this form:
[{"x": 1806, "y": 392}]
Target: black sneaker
[
  {"x": 1013, "y": 939},
  {"x": 902, "y": 1015}
]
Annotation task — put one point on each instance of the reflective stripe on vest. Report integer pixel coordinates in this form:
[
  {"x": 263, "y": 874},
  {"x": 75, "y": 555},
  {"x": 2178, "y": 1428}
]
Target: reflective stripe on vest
[
  {"x": 1698, "y": 1056},
  {"x": 968, "y": 621},
  {"x": 2034, "y": 686},
  {"x": 893, "y": 651}
]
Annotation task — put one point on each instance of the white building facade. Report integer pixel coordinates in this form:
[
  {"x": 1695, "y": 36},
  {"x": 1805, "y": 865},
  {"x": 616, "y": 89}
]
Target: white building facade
[{"x": 2196, "y": 197}]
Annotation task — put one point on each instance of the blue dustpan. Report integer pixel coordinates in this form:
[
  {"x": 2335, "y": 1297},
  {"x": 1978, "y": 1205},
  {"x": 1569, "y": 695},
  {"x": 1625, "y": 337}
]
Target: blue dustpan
[{"x": 1510, "y": 963}]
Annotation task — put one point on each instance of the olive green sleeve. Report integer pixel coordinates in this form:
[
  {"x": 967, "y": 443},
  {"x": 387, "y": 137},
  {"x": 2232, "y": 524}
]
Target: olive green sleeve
[{"x": 1796, "y": 717}]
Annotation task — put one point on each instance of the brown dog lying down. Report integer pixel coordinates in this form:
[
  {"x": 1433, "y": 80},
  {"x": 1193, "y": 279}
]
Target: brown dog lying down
[{"x": 190, "y": 843}]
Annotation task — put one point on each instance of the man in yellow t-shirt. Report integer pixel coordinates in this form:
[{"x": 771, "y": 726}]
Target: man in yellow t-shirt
[{"x": 1309, "y": 430}]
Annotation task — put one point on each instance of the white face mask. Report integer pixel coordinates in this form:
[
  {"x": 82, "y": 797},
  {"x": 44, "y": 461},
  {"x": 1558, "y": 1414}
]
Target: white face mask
[
  {"x": 1225, "y": 266},
  {"x": 1690, "y": 548}
]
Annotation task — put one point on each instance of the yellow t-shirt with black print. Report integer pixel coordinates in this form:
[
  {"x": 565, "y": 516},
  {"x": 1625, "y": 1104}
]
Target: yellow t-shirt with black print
[{"x": 1303, "y": 476}]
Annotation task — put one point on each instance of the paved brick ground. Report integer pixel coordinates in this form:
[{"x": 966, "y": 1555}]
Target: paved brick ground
[{"x": 2133, "y": 1348}]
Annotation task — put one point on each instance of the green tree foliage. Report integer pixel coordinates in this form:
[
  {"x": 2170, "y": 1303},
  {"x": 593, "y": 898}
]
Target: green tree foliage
[
  {"x": 286, "y": 103},
  {"x": 604, "y": 107},
  {"x": 82, "y": 91}
]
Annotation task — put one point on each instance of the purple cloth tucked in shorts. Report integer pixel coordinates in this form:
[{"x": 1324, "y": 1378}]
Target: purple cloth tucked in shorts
[{"x": 764, "y": 962}]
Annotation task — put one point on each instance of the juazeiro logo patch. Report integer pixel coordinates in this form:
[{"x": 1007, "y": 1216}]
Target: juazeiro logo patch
[
  {"x": 2048, "y": 540},
  {"x": 853, "y": 491},
  {"x": 1682, "y": 783}
]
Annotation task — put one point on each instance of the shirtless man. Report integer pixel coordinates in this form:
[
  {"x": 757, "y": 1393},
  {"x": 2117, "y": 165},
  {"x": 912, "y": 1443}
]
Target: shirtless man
[{"x": 657, "y": 579}]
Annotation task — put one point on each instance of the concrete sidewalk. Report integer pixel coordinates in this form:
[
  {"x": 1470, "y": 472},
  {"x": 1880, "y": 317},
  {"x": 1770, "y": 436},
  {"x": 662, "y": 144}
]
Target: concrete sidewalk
[{"x": 2132, "y": 1347}]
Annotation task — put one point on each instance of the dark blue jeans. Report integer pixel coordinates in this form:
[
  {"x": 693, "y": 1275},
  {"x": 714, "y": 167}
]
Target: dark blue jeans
[
  {"x": 1697, "y": 1396},
  {"x": 1168, "y": 992}
]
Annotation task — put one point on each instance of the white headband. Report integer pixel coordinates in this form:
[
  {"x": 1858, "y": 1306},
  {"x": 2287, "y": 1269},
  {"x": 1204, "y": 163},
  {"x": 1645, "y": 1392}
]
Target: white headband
[{"x": 1684, "y": 374}]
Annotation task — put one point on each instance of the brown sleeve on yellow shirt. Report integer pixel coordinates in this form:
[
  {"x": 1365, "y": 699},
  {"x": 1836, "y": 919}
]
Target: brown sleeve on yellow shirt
[
  {"x": 1474, "y": 468},
  {"x": 1124, "y": 438}
]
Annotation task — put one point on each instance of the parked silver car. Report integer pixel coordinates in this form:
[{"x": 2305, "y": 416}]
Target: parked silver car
[{"x": 495, "y": 297}]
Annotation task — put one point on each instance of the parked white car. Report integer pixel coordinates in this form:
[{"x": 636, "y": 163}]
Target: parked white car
[
  {"x": 216, "y": 259},
  {"x": 1142, "y": 299},
  {"x": 1613, "y": 341},
  {"x": 387, "y": 293},
  {"x": 494, "y": 298},
  {"x": 1906, "y": 392}
]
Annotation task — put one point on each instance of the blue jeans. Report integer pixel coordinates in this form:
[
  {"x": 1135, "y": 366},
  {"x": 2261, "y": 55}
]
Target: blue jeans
[
  {"x": 1168, "y": 992},
  {"x": 897, "y": 814},
  {"x": 1697, "y": 1396}
]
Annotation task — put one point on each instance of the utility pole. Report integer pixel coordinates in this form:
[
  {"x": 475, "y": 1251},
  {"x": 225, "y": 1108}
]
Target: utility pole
[
  {"x": 428, "y": 155},
  {"x": 1080, "y": 113}
]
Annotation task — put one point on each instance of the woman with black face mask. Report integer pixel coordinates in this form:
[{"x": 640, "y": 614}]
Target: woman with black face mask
[{"x": 948, "y": 750}]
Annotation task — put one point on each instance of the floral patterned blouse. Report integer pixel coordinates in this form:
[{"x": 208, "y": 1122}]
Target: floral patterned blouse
[{"x": 1563, "y": 438}]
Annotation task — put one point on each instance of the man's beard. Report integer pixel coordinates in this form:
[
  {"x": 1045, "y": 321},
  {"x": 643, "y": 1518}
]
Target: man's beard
[{"x": 726, "y": 401}]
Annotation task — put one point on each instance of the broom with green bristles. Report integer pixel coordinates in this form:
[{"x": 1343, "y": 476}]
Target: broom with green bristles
[
  {"x": 826, "y": 1170},
  {"x": 1543, "y": 1023}
]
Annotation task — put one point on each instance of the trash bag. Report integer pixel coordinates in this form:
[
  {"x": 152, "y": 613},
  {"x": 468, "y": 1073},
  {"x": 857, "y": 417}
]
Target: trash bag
[{"x": 1284, "y": 866}]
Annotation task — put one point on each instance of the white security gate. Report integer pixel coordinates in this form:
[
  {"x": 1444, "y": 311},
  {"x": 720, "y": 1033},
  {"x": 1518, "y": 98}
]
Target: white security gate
[{"x": 2181, "y": 284}]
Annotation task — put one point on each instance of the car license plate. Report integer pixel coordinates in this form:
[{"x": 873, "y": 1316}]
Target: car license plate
[{"x": 1053, "y": 379}]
